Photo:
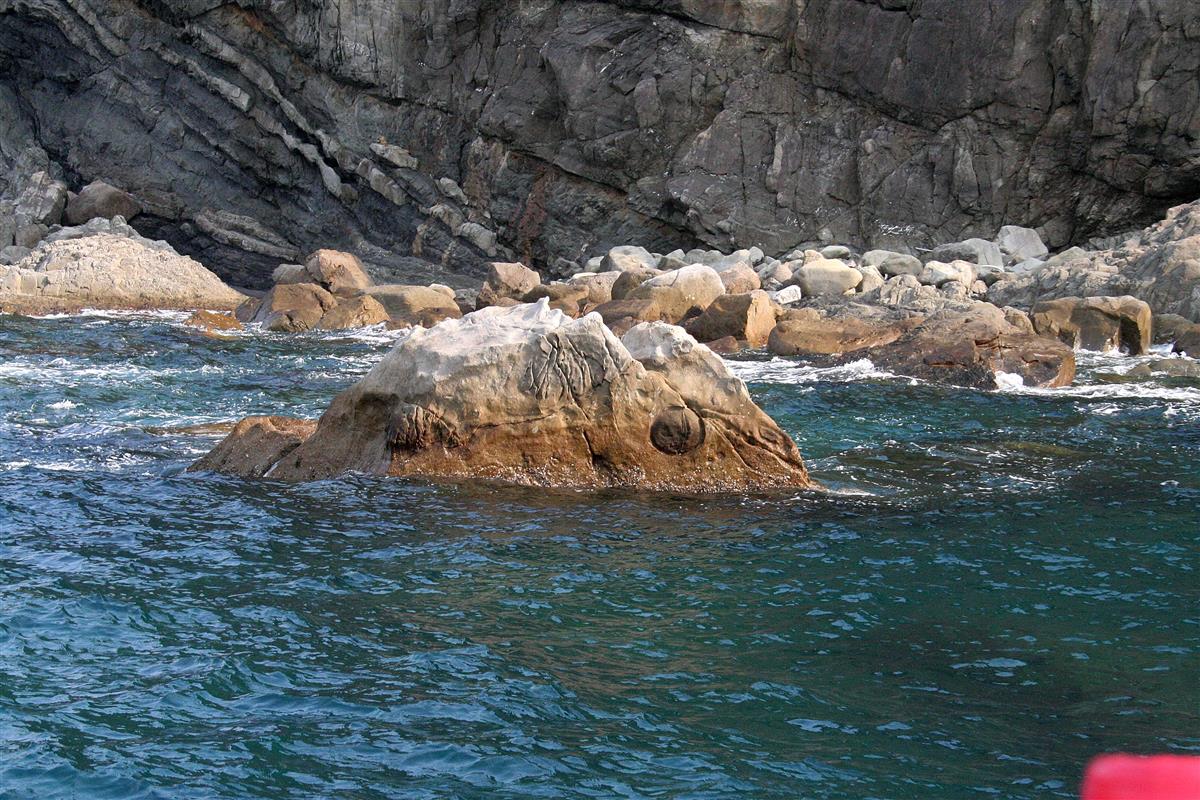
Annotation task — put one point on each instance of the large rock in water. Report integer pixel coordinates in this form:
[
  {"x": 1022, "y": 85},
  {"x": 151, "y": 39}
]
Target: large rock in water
[
  {"x": 527, "y": 395},
  {"x": 1096, "y": 323},
  {"x": 952, "y": 342},
  {"x": 110, "y": 272},
  {"x": 878, "y": 122}
]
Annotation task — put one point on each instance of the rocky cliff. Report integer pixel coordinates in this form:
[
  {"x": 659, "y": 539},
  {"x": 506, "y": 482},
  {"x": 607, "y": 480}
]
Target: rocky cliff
[{"x": 430, "y": 136}]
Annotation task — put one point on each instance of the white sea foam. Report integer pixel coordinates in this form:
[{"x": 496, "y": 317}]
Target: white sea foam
[
  {"x": 788, "y": 371},
  {"x": 63, "y": 405}
]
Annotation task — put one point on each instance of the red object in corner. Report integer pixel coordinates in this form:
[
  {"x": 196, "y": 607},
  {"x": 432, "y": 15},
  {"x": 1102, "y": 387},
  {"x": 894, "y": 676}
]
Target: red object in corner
[{"x": 1125, "y": 777}]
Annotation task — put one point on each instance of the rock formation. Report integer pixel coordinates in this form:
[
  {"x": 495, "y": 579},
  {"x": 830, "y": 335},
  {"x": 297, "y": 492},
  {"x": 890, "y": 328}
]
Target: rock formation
[
  {"x": 110, "y": 271},
  {"x": 525, "y": 394},
  {"x": 431, "y": 137}
]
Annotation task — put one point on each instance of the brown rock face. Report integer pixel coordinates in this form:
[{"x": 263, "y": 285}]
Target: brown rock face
[
  {"x": 1096, "y": 323},
  {"x": 212, "y": 322},
  {"x": 529, "y": 396},
  {"x": 255, "y": 445},
  {"x": 805, "y": 331},
  {"x": 337, "y": 272},
  {"x": 748, "y": 317},
  {"x": 970, "y": 348},
  {"x": 353, "y": 312},
  {"x": 509, "y": 280},
  {"x": 414, "y": 305},
  {"x": 293, "y": 307}
]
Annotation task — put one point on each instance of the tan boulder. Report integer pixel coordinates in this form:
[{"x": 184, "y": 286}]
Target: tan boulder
[
  {"x": 353, "y": 312},
  {"x": 740, "y": 278},
  {"x": 261, "y": 442},
  {"x": 414, "y": 305},
  {"x": 1096, "y": 323},
  {"x": 682, "y": 292},
  {"x": 507, "y": 279},
  {"x": 805, "y": 331},
  {"x": 825, "y": 276},
  {"x": 339, "y": 273},
  {"x": 567, "y": 298},
  {"x": 747, "y": 317},
  {"x": 631, "y": 279},
  {"x": 598, "y": 285},
  {"x": 527, "y": 395},
  {"x": 641, "y": 310},
  {"x": 293, "y": 307}
]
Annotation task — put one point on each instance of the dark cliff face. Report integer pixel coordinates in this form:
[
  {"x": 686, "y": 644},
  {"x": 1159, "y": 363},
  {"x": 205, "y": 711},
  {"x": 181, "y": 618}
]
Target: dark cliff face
[{"x": 255, "y": 131}]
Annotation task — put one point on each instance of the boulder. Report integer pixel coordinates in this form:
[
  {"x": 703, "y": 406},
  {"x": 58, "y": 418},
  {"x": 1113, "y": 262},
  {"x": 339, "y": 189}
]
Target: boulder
[
  {"x": 806, "y": 331},
  {"x": 1096, "y": 323},
  {"x": 890, "y": 263},
  {"x": 1171, "y": 328},
  {"x": 110, "y": 272},
  {"x": 825, "y": 276},
  {"x": 774, "y": 274},
  {"x": 740, "y": 278},
  {"x": 1019, "y": 244},
  {"x": 256, "y": 444},
  {"x": 628, "y": 257},
  {"x": 416, "y": 305},
  {"x": 837, "y": 251},
  {"x": 566, "y": 297},
  {"x": 1188, "y": 342},
  {"x": 506, "y": 279},
  {"x": 38, "y": 205},
  {"x": 99, "y": 199},
  {"x": 974, "y": 251},
  {"x": 631, "y": 279},
  {"x": 353, "y": 312},
  {"x": 747, "y": 317},
  {"x": 293, "y": 307},
  {"x": 632, "y": 308},
  {"x": 683, "y": 292},
  {"x": 972, "y": 347},
  {"x": 872, "y": 279},
  {"x": 937, "y": 273},
  {"x": 1166, "y": 367},
  {"x": 788, "y": 296},
  {"x": 291, "y": 273},
  {"x": 958, "y": 343},
  {"x": 598, "y": 285},
  {"x": 527, "y": 395},
  {"x": 337, "y": 272}
]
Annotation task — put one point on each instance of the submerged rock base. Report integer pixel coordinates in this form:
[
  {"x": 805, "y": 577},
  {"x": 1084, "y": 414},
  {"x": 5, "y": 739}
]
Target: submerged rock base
[{"x": 527, "y": 395}]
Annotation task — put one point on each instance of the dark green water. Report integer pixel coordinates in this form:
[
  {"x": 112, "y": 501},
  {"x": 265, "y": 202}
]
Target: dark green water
[{"x": 1006, "y": 585}]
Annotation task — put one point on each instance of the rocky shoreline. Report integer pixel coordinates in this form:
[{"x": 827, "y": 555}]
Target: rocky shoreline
[{"x": 608, "y": 376}]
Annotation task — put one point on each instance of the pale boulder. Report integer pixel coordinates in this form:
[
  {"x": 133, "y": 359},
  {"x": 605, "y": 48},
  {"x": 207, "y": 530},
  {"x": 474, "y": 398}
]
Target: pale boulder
[
  {"x": 111, "y": 272},
  {"x": 826, "y": 276},
  {"x": 683, "y": 292}
]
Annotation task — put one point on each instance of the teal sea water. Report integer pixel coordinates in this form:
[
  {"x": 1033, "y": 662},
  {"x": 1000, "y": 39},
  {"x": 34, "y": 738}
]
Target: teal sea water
[{"x": 1001, "y": 585}]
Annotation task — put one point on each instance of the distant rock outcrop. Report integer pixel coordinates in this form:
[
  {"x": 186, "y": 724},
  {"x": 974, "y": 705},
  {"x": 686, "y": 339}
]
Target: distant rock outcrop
[{"x": 525, "y": 394}]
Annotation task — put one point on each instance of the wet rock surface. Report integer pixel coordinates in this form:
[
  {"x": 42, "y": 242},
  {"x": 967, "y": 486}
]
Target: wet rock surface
[{"x": 528, "y": 395}]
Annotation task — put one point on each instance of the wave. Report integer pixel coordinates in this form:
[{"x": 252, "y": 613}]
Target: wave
[{"x": 789, "y": 371}]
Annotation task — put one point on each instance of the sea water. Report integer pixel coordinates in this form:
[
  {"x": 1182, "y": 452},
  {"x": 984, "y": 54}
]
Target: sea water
[{"x": 995, "y": 587}]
